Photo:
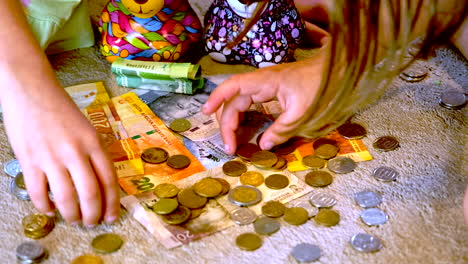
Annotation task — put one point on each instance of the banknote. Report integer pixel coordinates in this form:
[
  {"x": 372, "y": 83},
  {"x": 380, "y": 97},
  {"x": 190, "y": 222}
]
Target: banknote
[
  {"x": 90, "y": 94},
  {"x": 156, "y": 70},
  {"x": 174, "y": 85}
]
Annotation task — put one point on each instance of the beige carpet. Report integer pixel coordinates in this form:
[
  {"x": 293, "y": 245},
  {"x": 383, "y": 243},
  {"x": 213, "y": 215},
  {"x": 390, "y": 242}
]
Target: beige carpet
[{"x": 424, "y": 205}]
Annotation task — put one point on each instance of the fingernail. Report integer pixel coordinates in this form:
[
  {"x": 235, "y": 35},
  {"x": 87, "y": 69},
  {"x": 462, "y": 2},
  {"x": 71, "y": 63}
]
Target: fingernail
[
  {"x": 227, "y": 148},
  {"x": 268, "y": 145},
  {"x": 204, "y": 107},
  {"x": 111, "y": 219},
  {"x": 50, "y": 214}
]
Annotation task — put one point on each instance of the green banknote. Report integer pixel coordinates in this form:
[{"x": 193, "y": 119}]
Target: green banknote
[
  {"x": 156, "y": 70},
  {"x": 173, "y": 85}
]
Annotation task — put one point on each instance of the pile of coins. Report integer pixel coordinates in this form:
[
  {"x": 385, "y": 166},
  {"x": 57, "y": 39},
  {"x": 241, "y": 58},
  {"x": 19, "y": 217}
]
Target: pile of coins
[
  {"x": 18, "y": 187},
  {"x": 30, "y": 252},
  {"x": 37, "y": 225},
  {"x": 156, "y": 155}
]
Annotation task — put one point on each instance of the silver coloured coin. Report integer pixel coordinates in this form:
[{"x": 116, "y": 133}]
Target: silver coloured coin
[
  {"x": 365, "y": 243},
  {"x": 243, "y": 216},
  {"x": 410, "y": 79},
  {"x": 341, "y": 165},
  {"x": 30, "y": 251},
  {"x": 18, "y": 188},
  {"x": 266, "y": 226},
  {"x": 385, "y": 174},
  {"x": 257, "y": 199},
  {"x": 322, "y": 200},
  {"x": 306, "y": 252},
  {"x": 312, "y": 210},
  {"x": 374, "y": 217},
  {"x": 452, "y": 100},
  {"x": 415, "y": 71},
  {"x": 12, "y": 167},
  {"x": 367, "y": 199}
]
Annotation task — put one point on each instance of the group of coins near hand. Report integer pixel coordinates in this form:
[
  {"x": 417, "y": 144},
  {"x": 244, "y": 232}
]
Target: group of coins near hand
[{"x": 156, "y": 155}]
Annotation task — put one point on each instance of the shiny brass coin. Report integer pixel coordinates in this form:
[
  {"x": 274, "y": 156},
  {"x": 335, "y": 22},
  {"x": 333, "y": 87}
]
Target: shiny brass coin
[
  {"x": 296, "y": 216},
  {"x": 252, "y": 178},
  {"x": 277, "y": 181},
  {"x": 194, "y": 213},
  {"x": 313, "y": 162},
  {"x": 87, "y": 259},
  {"x": 225, "y": 184},
  {"x": 180, "y": 125},
  {"x": 234, "y": 168},
  {"x": 322, "y": 141},
  {"x": 19, "y": 181},
  {"x": 245, "y": 195},
  {"x": 208, "y": 187},
  {"x": 273, "y": 209},
  {"x": 245, "y": 151},
  {"x": 249, "y": 241},
  {"x": 280, "y": 165},
  {"x": 327, "y": 217},
  {"x": 107, "y": 243},
  {"x": 318, "y": 178},
  {"x": 154, "y": 155},
  {"x": 177, "y": 217},
  {"x": 352, "y": 131},
  {"x": 178, "y": 161},
  {"x": 285, "y": 148},
  {"x": 34, "y": 222},
  {"x": 165, "y": 206},
  {"x": 189, "y": 199},
  {"x": 166, "y": 190},
  {"x": 326, "y": 151},
  {"x": 264, "y": 159}
]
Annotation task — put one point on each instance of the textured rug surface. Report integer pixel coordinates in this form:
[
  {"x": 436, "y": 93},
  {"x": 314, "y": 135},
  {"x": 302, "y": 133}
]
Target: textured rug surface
[{"x": 424, "y": 205}]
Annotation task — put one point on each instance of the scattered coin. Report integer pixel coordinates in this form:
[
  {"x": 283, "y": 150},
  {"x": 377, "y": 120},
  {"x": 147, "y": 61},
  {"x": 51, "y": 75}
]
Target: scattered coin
[
  {"x": 178, "y": 161},
  {"x": 414, "y": 73},
  {"x": 312, "y": 210},
  {"x": 180, "y": 125},
  {"x": 107, "y": 243},
  {"x": 252, "y": 178},
  {"x": 208, "y": 187},
  {"x": 365, "y": 243},
  {"x": 154, "y": 155},
  {"x": 225, "y": 184},
  {"x": 341, "y": 165},
  {"x": 285, "y": 148},
  {"x": 179, "y": 216},
  {"x": 243, "y": 216},
  {"x": 37, "y": 225},
  {"x": 324, "y": 200},
  {"x": 313, "y": 162},
  {"x": 248, "y": 241},
  {"x": 246, "y": 150},
  {"x": 12, "y": 167},
  {"x": 367, "y": 199},
  {"x": 266, "y": 226},
  {"x": 88, "y": 259},
  {"x": 306, "y": 252},
  {"x": 296, "y": 216},
  {"x": 190, "y": 199},
  {"x": 322, "y": 141},
  {"x": 264, "y": 159},
  {"x": 273, "y": 209},
  {"x": 165, "y": 206},
  {"x": 194, "y": 213},
  {"x": 327, "y": 217},
  {"x": 453, "y": 100},
  {"x": 352, "y": 131},
  {"x": 280, "y": 165},
  {"x": 18, "y": 187},
  {"x": 326, "y": 151},
  {"x": 374, "y": 217},
  {"x": 277, "y": 181},
  {"x": 245, "y": 195},
  {"x": 385, "y": 174},
  {"x": 234, "y": 168},
  {"x": 30, "y": 252},
  {"x": 318, "y": 178},
  {"x": 386, "y": 143},
  {"x": 166, "y": 190}
]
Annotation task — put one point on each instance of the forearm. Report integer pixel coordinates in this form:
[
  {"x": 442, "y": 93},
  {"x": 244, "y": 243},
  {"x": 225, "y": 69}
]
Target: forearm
[{"x": 460, "y": 39}]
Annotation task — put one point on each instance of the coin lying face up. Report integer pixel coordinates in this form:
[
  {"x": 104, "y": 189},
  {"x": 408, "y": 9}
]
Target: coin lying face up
[
  {"x": 30, "y": 252},
  {"x": 306, "y": 252},
  {"x": 367, "y": 199},
  {"x": 266, "y": 226},
  {"x": 243, "y": 216},
  {"x": 322, "y": 200},
  {"x": 374, "y": 217},
  {"x": 12, "y": 167},
  {"x": 452, "y": 100},
  {"x": 244, "y": 195},
  {"x": 365, "y": 243},
  {"x": 385, "y": 174}
]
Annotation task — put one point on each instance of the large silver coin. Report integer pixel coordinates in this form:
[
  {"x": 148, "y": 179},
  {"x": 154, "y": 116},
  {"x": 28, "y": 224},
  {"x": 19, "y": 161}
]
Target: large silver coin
[
  {"x": 374, "y": 217},
  {"x": 305, "y": 252},
  {"x": 385, "y": 174},
  {"x": 18, "y": 188},
  {"x": 453, "y": 100},
  {"x": 243, "y": 216},
  {"x": 246, "y": 203},
  {"x": 311, "y": 210},
  {"x": 266, "y": 226},
  {"x": 367, "y": 199},
  {"x": 341, "y": 165},
  {"x": 12, "y": 167},
  {"x": 30, "y": 251},
  {"x": 365, "y": 243},
  {"x": 322, "y": 200}
]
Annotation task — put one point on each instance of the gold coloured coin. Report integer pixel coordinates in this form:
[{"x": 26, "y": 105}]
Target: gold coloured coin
[
  {"x": 296, "y": 216},
  {"x": 246, "y": 150},
  {"x": 244, "y": 195},
  {"x": 326, "y": 151},
  {"x": 264, "y": 159},
  {"x": 87, "y": 259},
  {"x": 189, "y": 199},
  {"x": 194, "y": 213},
  {"x": 280, "y": 165},
  {"x": 277, "y": 181},
  {"x": 318, "y": 178},
  {"x": 313, "y": 162},
  {"x": 178, "y": 161},
  {"x": 177, "y": 217},
  {"x": 327, "y": 217},
  {"x": 208, "y": 187},
  {"x": 249, "y": 241},
  {"x": 321, "y": 141},
  {"x": 180, "y": 125},
  {"x": 107, "y": 243},
  {"x": 234, "y": 168},
  {"x": 166, "y": 190},
  {"x": 34, "y": 222},
  {"x": 273, "y": 209},
  {"x": 252, "y": 178},
  {"x": 154, "y": 155},
  {"x": 165, "y": 206},
  {"x": 225, "y": 184}
]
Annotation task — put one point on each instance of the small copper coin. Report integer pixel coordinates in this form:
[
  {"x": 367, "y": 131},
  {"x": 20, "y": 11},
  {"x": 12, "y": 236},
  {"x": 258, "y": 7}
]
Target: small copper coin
[
  {"x": 386, "y": 143},
  {"x": 318, "y": 178},
  {"x": 313, "y": 162},
  {"x": 180, "y": 125},
  {"x": 264, "y": 159},
  {"x": 188, "y": 198},
  {"x": 296, "y": 216},
  {"x": 252, "y": 178},
  {"x": 249, "y": 241},
  {"x": 154, "y": 155},
  {"x": 208, "y": 187},
  {"x": 277, "y": 181},
  {"x": 326, "y": 151},
  {"x": 179, "y": 216},
  {"x": 322, "y": 141},
  {"x": 234, "y": 168},
  {"x": 273, "y": 209},
  {"x": 245, "y": 151},
  {"x": 352, "y": 131},
  {"x": 178, "y": 161},
  {"x": 166, "y": 190},
  {"x": 225, "y": 184},
  {"x": 327, "y": 217}
]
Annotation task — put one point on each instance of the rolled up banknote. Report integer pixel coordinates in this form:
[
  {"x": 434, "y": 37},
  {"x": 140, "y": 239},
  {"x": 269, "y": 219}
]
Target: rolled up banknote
[
  {"x": 173, "y": 85},
  {"x": 156, "y": 70}
]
